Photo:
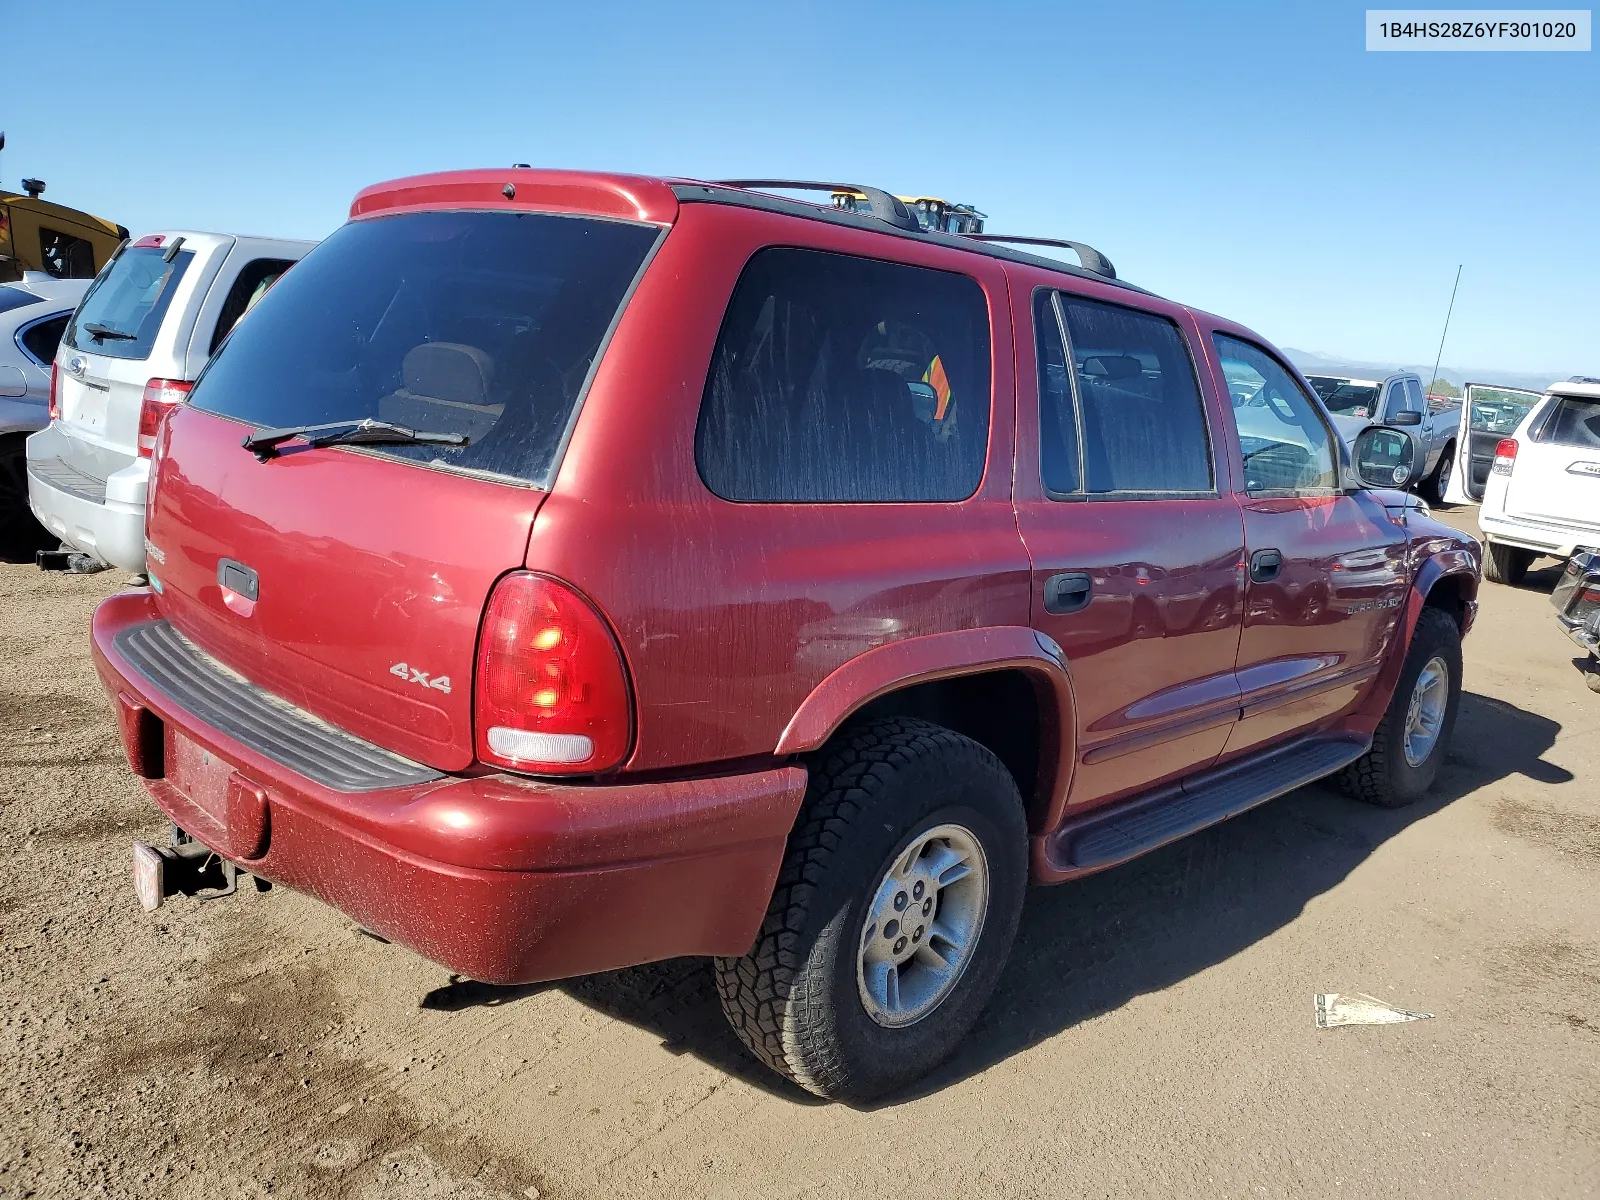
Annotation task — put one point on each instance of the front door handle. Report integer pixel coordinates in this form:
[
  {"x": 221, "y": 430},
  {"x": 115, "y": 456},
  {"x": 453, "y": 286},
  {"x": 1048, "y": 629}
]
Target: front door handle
[
  {"x": 1067, "y": 593},
  {"x": 1265, "y": 565}
]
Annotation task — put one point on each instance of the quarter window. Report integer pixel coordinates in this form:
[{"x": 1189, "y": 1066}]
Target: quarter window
[
  {"x": 252, "y": 283},
  {"x": 1124, "y": 415},
  {"x": 1574, "y": 421},
  {"x": 41, "y": 338},
  {"x": 843, "y": 379},
  {"x": 1286, "y": 446}
]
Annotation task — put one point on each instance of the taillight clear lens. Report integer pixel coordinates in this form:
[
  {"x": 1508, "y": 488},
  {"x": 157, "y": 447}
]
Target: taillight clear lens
[
  {"x": 55, "y": 391},
  {"x": 551, "y": 691},
  {"x": 1505, "y": 456},
  {"x": 159, "y": 397}
]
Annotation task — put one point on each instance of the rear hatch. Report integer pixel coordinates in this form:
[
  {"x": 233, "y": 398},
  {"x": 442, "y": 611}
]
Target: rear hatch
[
  {"x": 371, "y": 565},
  {"x": 1556, "y": 479},
  {"x": 121, "y": 337}
]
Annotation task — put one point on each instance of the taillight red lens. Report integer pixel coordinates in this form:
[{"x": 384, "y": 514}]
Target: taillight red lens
[
  {"x": 55, "y": 391},
  {"x": 1505, "y": 456},
  {"x": 552, "y": 692},
  {"x": 159, "y": 397}
]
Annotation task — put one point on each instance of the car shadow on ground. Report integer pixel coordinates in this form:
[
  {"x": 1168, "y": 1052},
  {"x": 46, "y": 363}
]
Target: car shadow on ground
[{"x": 1086, "y": 948}]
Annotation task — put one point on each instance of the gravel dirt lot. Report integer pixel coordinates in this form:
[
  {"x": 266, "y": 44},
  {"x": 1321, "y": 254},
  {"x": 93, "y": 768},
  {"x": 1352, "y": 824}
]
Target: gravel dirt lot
[{"x": 1153, "y": 1035}]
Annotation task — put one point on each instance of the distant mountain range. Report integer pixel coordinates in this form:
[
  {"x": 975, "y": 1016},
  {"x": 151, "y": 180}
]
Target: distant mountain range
[{"x": 1314, "y": 362}]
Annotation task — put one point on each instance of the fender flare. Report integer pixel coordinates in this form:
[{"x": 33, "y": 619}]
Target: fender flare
[
  {"x": 934, "y": 656},
  {"x": 1454, "y": 563}
]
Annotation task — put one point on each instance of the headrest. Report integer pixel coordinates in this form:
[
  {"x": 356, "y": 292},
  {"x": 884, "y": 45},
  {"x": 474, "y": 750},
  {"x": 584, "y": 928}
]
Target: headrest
[
  {"x": 448, "y": 371},
  {"x": 1112, "y": 366}
]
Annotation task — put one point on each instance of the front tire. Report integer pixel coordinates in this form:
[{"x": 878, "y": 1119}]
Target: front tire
[
  {"x": 893, "y": 913},
  {"x": 1506, "y": 564},
  {"x": 1414, "y": 735}
]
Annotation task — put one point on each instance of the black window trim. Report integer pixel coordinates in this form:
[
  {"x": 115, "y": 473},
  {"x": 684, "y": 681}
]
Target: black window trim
[
  {"x": 1343, "y": 487},
  {"x": 30, "y": 324},
  {"x": 1081, "y": 496},
  {"x": 711, "y": 366}
]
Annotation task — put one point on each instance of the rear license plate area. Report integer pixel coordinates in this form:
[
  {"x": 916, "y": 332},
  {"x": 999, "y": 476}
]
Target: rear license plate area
[{"x": 199, "y": 774}]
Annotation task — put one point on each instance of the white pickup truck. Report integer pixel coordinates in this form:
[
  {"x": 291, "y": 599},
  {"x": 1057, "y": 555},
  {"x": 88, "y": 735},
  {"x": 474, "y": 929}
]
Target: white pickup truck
[{"x": 1395, "y": 400}]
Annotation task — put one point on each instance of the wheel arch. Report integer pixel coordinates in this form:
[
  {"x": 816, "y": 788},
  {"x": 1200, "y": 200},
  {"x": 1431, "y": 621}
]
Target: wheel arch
[{"x": 1005, "y": 687}]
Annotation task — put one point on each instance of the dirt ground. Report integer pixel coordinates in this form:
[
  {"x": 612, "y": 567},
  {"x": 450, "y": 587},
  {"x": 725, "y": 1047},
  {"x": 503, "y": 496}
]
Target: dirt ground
[{"x": 1153, "y": 1035}]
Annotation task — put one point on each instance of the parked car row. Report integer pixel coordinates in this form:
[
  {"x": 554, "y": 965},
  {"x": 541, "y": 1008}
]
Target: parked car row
[
  {"x": 34, "y": 312},
  {"x": 1396, "y": 400},
  {"x": 138, "y": 340},
  {"x": 560, "y": 571}
]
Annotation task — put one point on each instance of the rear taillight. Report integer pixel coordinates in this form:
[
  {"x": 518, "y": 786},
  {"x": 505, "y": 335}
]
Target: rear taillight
[
  {"x": 1505, "y": 456},
  {"x": 552, "y": 692},
  {"x": 159, "y": 397},
  {"x": 55, "y": 391}
]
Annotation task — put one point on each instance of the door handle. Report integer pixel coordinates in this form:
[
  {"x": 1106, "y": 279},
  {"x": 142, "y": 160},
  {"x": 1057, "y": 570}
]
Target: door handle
[
  {"x": 1067, "y": 593},
  {"x": 1265, "y": 565}
]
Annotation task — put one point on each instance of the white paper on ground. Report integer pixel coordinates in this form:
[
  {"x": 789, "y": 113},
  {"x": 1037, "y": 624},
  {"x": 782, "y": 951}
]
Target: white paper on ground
[{"x": 1352, "y": 1008}]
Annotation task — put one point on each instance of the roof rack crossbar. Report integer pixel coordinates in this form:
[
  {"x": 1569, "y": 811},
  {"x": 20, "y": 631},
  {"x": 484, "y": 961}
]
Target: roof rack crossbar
[
  {"x": 884, "y": 206},
  {"x": 1091, "y": 258}
]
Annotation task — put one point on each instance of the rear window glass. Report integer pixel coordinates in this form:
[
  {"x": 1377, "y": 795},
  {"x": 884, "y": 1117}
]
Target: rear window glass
[
  {"x": 1575, "y": 421},
  {"x": 482, "y": 324},
  {"x": 122, "y": 312},
  {"x": 843, "y": 379},
  {"x": 11, "y": 297}
]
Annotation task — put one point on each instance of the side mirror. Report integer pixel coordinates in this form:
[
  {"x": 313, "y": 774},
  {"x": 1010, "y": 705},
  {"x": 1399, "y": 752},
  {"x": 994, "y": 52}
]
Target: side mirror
[
  {"x": 1384, "y": 457},
  {"x": 1406, "y": 418}
]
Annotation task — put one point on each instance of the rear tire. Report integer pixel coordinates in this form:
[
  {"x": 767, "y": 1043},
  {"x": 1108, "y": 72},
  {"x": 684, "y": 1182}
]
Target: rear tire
[
  {"x": 812, "y": 998},
  {"x": 1592, "y": 677},
  {"x": 1506, "y": 564},
  {"x": 1402, "y": 764},
  {"x": 1437, "y": 484}
]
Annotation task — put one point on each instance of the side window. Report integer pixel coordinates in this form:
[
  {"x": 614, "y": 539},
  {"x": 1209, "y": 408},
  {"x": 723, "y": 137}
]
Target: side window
[
  {"x": 42, "y": 337},
  {"x": 1286, "y": 446},
  {"x": 1140, "y": 421},
  {"x": 840, "y": 379},
  {"x": 1059, "y": 463},
  {"x": 1414, "y": 398},
  {"x": 1575, "y": 421},
  {"x": 252, "y": 283},
  {"x": 1397, "y": 402},
  {"x": 65, "y": 256}
]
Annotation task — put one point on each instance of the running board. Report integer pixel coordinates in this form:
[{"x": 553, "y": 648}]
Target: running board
[{"x": 1107, "y": 837}]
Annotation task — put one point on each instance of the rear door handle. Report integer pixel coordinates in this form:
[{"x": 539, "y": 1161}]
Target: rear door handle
[
  {"x": 1067, "y": 593},
  {"x": 1265, "y": 565}
]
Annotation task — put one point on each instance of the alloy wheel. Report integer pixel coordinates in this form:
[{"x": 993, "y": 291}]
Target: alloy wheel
[{"x": 922, "y": 926}]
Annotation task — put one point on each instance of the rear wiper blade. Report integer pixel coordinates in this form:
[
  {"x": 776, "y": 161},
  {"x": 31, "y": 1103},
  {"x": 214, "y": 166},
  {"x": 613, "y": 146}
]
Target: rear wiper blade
[
  {"x": 100, "y": 332},
  {"x": 264, "y": 443}
]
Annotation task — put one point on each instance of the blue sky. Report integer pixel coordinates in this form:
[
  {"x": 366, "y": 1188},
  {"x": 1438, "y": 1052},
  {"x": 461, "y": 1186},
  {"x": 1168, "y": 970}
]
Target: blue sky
[{"x": 1252, "y": 159}]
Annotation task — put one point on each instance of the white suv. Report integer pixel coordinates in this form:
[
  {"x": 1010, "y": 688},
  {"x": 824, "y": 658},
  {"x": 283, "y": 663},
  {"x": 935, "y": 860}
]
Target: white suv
[
  {"x": 1543, "y": 492},
  {"x": 152, "y": 319}
]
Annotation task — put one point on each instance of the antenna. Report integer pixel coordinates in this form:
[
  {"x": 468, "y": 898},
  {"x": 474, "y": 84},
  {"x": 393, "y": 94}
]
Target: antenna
[{"x": 1440, "y": 356}]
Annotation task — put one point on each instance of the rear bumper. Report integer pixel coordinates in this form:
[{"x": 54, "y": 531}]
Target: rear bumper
[
  {"x": 502, "y": 878},
  {"x": 104, "y": 518},
  {"x": 1557, "y": 541}
]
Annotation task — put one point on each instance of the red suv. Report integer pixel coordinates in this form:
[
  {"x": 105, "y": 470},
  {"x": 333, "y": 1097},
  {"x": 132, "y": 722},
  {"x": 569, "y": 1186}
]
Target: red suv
[{"x": 561, "y": 571}]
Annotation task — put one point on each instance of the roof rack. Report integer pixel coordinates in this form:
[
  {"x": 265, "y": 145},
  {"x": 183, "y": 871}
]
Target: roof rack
[
  {"x": 884, "y": 206},
  {"x": 1091, "y": 258}
]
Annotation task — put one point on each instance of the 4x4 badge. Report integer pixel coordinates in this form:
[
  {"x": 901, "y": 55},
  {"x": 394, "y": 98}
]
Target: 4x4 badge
[{"x": 411, "y": 675}]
